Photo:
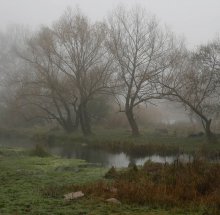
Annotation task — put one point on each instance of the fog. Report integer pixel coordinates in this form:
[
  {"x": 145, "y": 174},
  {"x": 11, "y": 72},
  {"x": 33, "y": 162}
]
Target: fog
[
  {"x": 196, "y": 20},
  {"x": 179, "y": 30}
]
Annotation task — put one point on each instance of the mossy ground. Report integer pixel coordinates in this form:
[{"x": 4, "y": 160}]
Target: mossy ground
[{"x": 24, "y": 177}]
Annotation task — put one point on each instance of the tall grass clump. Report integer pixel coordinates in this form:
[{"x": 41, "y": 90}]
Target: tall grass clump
[
  {"x": 175, "y": 184},
  {"x": 39, "y": 151}
]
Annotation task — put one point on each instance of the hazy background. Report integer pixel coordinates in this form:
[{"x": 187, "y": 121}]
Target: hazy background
[{"x": 197, "y": 20}]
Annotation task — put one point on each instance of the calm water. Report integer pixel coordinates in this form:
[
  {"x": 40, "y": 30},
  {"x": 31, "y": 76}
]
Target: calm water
[
  {"x": 108, "y": 159},
  {"x": 97, "y": 156}
]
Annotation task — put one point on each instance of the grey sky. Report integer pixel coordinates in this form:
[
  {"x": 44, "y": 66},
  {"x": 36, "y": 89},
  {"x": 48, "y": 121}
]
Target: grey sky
[{"x": 198, "y": 20}]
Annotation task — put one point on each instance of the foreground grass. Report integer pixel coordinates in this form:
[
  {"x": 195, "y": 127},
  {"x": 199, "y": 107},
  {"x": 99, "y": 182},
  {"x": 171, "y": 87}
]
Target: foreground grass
[{"x": 24, "y": 179}]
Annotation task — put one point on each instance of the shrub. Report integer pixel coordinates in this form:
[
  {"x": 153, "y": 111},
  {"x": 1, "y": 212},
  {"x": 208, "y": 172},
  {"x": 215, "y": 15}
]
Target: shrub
[
  {"x": 112, "y": 173},
  {"x": 39, "y": 151}
]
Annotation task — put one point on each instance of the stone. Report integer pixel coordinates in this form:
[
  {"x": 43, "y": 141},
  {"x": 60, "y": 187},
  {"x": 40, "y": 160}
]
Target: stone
[
  {"x": 74, "y": 195},
  {"x": 113, "y": 200}
]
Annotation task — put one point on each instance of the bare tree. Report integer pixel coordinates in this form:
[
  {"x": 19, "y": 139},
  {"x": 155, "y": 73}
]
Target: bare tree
[
  {"x": 80, "y": 54},
  {"x": 141, "y": 50},
  {"x": 73, "y": 50},
  {"x": 47, "y": 88},
  {"x": 12, "y": 71},
  {"x": 193, "y": 81}
]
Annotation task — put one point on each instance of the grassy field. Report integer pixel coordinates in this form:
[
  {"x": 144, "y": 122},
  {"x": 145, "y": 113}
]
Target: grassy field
[{"x": 25, "y": 181}]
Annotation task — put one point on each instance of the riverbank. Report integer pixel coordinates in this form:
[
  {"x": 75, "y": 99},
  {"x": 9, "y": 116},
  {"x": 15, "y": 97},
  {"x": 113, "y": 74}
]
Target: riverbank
[
  {"x": 36, "y": 185},
  {"x": 116, "y": 140}
]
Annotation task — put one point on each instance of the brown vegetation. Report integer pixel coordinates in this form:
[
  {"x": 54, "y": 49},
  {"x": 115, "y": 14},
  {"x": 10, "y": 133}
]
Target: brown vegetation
[{"x": 179, "y": 184}]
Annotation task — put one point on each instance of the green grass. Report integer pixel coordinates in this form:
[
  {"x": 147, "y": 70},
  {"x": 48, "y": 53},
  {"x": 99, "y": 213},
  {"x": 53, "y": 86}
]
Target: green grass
[{"x": 24, "y": 177}]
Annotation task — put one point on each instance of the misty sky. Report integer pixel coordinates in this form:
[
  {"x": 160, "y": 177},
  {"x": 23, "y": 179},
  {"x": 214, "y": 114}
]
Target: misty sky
[{"x": 198, "y": 20}]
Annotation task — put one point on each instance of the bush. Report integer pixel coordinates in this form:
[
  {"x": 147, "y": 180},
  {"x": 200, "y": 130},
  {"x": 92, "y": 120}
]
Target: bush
[
  {"x": 112, "y": 173},
  {"x": 39, "y": 151}
]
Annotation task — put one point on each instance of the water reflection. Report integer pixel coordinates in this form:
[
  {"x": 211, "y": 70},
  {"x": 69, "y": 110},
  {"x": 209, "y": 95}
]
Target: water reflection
[
  {"x": 109, "y": 159},
  {"x": 98, "y": 156}
]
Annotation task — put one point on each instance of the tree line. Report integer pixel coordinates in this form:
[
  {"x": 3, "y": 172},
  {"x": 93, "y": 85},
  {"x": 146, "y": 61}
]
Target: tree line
[{"x": 58, "y": 72}]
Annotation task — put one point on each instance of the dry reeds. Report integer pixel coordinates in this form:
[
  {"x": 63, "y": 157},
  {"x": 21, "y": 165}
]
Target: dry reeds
[{"x": 178, "y": 184}]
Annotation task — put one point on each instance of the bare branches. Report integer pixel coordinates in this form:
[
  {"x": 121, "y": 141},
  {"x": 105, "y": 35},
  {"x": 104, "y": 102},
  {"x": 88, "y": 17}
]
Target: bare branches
[
  {"x": 131, "y": 57},
  {"x": 140, "y": 49},
  {"x": 193, "y": 81}
]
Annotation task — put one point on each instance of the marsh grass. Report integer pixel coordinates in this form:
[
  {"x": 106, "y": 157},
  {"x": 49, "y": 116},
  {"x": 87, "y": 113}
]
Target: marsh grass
[{"x": 181, "y": 185}]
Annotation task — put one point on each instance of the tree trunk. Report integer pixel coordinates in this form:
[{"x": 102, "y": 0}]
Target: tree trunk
[
  {"x": 70, "y": 126},
  {"x": 77, "y": 119},
  {"x": 84, "y": 120},
  {"x": 132, "y": 122},
  {"x": 209, "y": 134}
]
